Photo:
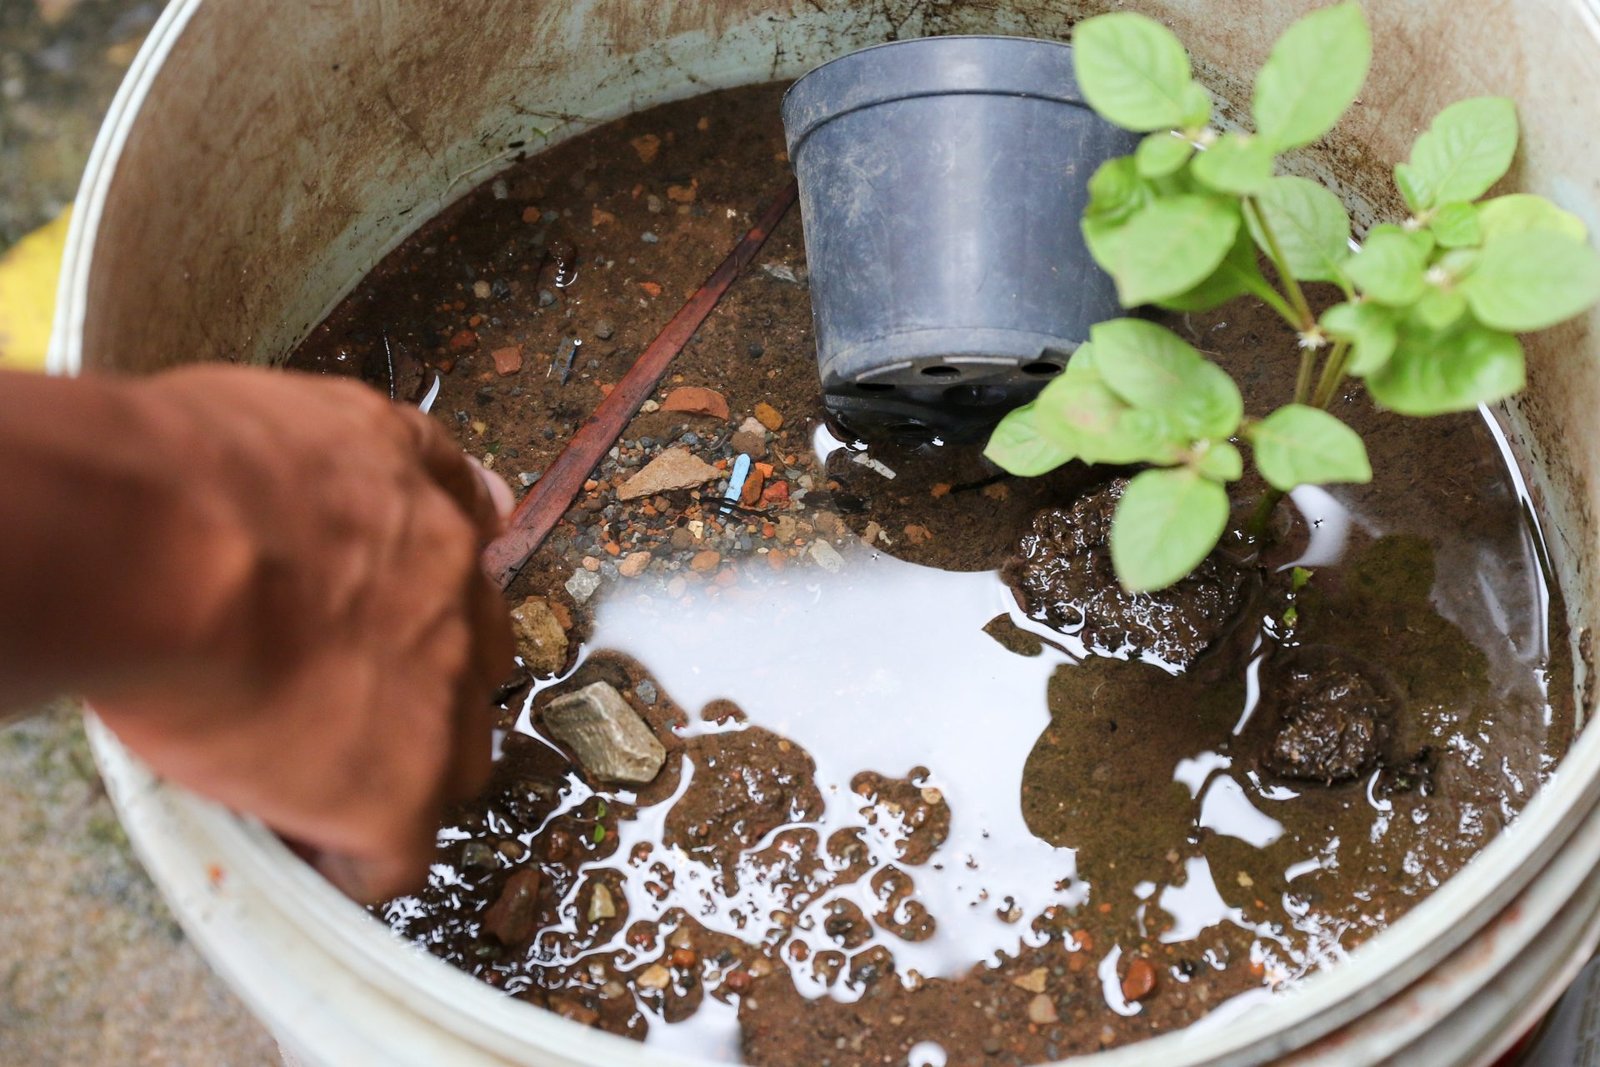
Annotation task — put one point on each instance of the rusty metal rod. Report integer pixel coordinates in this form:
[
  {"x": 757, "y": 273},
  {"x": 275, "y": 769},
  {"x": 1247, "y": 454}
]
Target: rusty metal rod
[{"x": 554, "y": 493}]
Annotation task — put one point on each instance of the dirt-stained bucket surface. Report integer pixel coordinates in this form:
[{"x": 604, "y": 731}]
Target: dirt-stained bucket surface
[{"x": 903, "y": 814}]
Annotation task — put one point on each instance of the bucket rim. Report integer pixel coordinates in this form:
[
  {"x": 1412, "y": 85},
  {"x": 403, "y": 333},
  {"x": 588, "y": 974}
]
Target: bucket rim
[{"x": 191, "y": 832}]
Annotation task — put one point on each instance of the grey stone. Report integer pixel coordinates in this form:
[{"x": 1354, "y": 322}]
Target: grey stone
[
  {"x": 826, "y": 556},
  {"x": 582, "y": 585},
  {"x": 646, "y": 691},
  {"x": 611, "y": 742}
]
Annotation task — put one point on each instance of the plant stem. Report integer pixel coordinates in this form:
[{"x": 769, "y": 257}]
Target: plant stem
[
  {"x": 1302, "y": 380},
  {"x": 1304, "y": 319},
  {"x": 1332, "y": 376},
  {"x": 1269, "y": 296}
]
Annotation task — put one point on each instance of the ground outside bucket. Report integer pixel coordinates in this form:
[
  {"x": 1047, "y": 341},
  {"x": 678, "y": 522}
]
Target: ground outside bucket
[
  {"x": 273, "y": 153},
  {"x": 941, "y": 182}
]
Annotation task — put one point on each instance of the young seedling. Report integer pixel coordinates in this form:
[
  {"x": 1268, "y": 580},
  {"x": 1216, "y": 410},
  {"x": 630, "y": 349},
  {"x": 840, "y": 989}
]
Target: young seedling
[{"x": 1430, "y": 311}]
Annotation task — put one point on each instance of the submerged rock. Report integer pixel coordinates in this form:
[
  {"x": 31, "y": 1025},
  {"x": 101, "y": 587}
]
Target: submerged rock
[
  {"x": 611, "y": 742},
  {"x": 513, "y": 917},
  {"x": 1333, "y": 718},
  {"x": 541, "y": 640},
  {"x": 1063, "y": 573}
]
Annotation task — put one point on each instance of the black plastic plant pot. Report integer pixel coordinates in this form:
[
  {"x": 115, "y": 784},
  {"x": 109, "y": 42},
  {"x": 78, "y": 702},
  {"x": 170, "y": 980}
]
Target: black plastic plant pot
[{"x": 941, "y": 183}]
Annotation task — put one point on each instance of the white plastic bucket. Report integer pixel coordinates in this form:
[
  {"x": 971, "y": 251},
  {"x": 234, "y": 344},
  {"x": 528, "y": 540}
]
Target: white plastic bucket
[{"x": 262, "y": 156}]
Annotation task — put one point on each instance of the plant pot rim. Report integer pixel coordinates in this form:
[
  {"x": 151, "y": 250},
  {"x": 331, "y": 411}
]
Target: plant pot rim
[{"x": 810, "y": 103}]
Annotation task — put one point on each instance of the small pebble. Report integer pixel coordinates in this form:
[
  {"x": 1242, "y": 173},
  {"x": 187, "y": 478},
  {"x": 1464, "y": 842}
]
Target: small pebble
[
  {"x": 604, "y": 330},
  {"x": 654, "y": 976},
  {"x": 768, "y": 416},
  {"x": 649, "y": 238},
  {"x": 1139, "y": 981},
  {"x": 601, "y": 905},
  {"x": 546, "y": 298},
  {"x": 826, "y": 556},
  {"x": 1042, "y": 1010},
  {"x": 582, "y": 585},
  {"x": 482, "y": 289},
  {"x": 527, "y": 478},
  {"x": 646, "y": 691}
]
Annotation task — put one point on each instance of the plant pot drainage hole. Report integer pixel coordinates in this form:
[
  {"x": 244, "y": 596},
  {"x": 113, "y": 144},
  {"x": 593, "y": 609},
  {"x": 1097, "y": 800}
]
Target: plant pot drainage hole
[{"x": 867, "y": 754}]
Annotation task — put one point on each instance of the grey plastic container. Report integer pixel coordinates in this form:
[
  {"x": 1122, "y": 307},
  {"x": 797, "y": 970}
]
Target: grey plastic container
[{"x": 941, "y": 183}]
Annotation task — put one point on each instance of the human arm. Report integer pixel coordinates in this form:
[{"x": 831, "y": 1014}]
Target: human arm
[{"x": 267, "y": 586}]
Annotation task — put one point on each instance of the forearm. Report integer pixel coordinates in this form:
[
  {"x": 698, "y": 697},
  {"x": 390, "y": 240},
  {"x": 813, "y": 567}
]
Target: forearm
[{"x": 117, "y": 574}]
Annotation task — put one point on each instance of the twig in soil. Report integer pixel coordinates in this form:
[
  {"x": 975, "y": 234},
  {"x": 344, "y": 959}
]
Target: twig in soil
[
  {"x": 388, "y": 357},
  {"x": 981, "y": 483},
  {"x": 550, "y": 497}
]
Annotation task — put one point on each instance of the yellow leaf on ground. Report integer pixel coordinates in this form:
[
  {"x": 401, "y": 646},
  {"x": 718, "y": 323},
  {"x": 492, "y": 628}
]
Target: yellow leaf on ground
[{"x": 28, "y": 274}]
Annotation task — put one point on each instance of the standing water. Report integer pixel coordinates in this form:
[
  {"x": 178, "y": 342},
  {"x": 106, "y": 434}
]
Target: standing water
[{"x": 907, "y": 814}]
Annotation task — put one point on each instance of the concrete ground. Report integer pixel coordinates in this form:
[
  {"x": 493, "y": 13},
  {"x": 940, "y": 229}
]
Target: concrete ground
[{"x": 93, "y": 969}]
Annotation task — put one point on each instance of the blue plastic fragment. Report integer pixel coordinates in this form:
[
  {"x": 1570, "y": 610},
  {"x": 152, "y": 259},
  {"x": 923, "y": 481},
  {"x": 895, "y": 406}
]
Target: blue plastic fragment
[{"x": 741, "y": 471}]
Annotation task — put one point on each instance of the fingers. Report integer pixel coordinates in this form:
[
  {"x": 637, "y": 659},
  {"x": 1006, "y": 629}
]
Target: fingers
[
  {"x": 457, "y": 475},
  {"x": 374, "y": 879},
  {"x": 492, "y": 652},
  {"x": 499, "y": 491}
]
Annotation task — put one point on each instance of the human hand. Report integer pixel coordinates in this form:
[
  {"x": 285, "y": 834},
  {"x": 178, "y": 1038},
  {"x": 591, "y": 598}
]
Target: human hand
[{"x": 324, "y": 644}]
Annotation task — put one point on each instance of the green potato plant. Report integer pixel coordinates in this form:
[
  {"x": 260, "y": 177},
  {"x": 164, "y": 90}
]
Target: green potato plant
[{"x": 1430, "y": 311}]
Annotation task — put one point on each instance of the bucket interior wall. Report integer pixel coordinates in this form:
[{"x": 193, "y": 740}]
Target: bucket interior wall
[
  {"x": 293, "y": 145},
  {"x": 282, "y": 149}
]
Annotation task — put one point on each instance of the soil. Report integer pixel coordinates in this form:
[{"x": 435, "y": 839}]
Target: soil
[
  {"x": 1064, "y": 575},
  {"x": 904, "y": 816}
]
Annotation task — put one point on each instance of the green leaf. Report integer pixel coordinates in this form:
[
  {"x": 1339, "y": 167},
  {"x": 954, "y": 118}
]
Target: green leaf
[
  {"x": 1115, "y": 191},
  {"x": 1235, "y": 163},
  {"x": 1302, "y": 445},
  {"x": 1311, "y": 227},
  {"x": 1167, "y": 247},
  {"x": 1166, "y": 523},
  {"x": 1161, "y": 153},
  {"x": 1196, "y": 107},
  {"x": 1455, "y": 225},
  {"x": 1133, "y": 71},
  {"x": 1219, "y": 461},
  {"x": 1527, "y": 281},
  {"x": 1314, "y": 73},
  {"x": 1439, "y": 308},
  {"x": 1299, "y": 578},
  {"x": 1153, "y": 368},
  {"x": 1370, "y": 330},
  {"x": 1236, "y": 275},
  {"x": 1389, "y": 267},
  {"x": 1456, "y": 370},
  {"x": 1018, "y": 446},
  {"x": 1411, "y": 188},
  {"x": 1465, "y": 150},
  {"x": 1521, "y": 212},
  {"x": 1081, "y": 415}
]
